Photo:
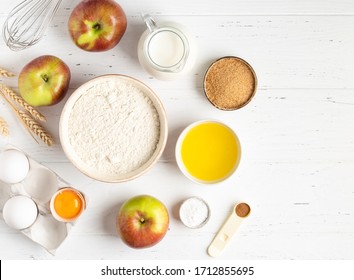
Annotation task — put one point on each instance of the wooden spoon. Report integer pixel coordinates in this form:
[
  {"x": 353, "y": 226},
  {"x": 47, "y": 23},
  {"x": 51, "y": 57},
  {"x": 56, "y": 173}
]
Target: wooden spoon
[{"x": 222, "y": 238}]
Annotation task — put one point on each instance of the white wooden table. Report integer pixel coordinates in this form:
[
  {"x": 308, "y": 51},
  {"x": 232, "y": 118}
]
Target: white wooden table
[{"x": 297, "y": 136}]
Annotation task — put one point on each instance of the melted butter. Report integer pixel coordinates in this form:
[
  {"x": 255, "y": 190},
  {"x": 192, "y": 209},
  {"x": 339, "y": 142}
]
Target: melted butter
[{"x": 210, "y": 152}]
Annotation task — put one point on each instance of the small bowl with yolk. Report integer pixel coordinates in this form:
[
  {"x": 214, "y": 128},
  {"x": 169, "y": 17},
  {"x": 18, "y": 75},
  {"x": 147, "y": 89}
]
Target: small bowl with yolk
[{"x": 67, "y": 204}]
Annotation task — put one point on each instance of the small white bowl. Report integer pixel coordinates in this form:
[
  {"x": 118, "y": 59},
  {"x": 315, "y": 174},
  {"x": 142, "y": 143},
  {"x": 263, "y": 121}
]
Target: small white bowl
[
  {"x": 179, "y": 159},
  {"x": 194, "y": 212},
  {"x": 79, "y": 195},
  {"x": 78, "y": 162}
]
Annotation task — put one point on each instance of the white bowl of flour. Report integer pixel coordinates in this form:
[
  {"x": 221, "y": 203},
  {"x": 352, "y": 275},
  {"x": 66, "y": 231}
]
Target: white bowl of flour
[{"x": 113, "y": 128}]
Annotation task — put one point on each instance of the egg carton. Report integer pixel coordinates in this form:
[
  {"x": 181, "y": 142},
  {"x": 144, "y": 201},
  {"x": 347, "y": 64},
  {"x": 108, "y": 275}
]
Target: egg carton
[{"x": 40, "y": 185}]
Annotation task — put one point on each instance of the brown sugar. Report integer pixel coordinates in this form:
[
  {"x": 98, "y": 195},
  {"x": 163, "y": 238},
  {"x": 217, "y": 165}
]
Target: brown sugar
[{"x": 230, "y": 83}]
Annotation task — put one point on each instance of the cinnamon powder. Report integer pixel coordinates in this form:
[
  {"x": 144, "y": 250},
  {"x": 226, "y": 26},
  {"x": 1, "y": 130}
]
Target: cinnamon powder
[
  {"x": 242, "y": 210},
  {"x": 230, "y": 83}
]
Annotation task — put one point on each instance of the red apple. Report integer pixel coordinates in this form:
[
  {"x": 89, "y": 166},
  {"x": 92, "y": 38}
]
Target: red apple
[
  {"x": 142, "y": 221},
  {"x": 97, "y": 25},
  {"x": 44, "y": 81}
]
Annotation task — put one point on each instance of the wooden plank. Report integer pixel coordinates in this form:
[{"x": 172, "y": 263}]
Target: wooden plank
[
  {"x": 285, "y": 51},
  {"x": 222, "y": 7},
  {"x": 293, "y": 125}
]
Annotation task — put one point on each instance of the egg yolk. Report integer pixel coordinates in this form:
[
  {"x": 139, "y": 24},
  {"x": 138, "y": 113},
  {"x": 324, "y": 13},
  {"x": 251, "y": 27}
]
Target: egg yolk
[{"x": 68, "y": 204}]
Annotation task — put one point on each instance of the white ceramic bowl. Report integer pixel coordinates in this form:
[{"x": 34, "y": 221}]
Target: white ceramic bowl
[
  {"x": 178, "y": 152},
  {"x": 194, "y": 212},
  {"x": 78, "y": 162}
]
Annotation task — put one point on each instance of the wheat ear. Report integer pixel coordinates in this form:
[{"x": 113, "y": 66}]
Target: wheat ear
[
  {"x": 21, "y": 102},
  {"x": 5, "y": 73},
  {"x": 35, "y": 127},
  {"x": 32, "y": 126},
  {"x": 4, "y": 128}
]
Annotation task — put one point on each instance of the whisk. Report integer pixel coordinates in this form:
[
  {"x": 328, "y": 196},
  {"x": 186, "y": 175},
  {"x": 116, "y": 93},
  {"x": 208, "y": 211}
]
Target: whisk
[{"x": 27, "y": 22}]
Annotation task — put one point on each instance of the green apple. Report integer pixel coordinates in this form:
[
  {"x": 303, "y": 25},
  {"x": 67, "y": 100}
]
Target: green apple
[
  {"x": 44, "y": 81},
  {"x": 97, "y": 25},
  {"x": 142, "y": 221}
]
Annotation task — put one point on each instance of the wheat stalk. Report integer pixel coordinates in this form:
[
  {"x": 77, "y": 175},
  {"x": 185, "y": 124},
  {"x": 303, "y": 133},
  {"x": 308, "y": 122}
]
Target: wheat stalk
[
  {"x": 21, "y": 102},
  {"x": 35, "y": 127},
  {"x": 32, "y": 126},
  {"x": 5, "y": 73},
  {"x": 4, "y": 128}
]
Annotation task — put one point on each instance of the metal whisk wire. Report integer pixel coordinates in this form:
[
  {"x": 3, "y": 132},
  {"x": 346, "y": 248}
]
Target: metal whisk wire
[{"x": 27, "y": 22}]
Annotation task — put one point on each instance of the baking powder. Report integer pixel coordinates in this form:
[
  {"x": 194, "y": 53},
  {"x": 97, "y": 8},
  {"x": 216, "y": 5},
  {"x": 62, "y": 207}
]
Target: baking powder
[
  {"x": 114, "y": 128},
  {"x": 194, "y": 212}
]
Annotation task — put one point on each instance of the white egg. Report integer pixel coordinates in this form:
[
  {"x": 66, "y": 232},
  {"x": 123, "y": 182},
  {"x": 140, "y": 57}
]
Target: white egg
[
  {"x": 14, "y": 166},
  {"x": 20, "y": 212}
]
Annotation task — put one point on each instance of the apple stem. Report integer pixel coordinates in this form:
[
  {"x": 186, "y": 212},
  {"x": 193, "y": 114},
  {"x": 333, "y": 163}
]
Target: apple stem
[
  {"x": 97, "y": 26},
  {"x": 142, "y": 220},
  {"x": 45, "y": 77}
]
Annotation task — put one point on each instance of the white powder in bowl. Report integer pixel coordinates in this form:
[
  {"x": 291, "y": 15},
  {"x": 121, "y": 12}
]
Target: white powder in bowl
[
  {"x": 114, "y": 128},
  {"x": 194, "y": 212}
]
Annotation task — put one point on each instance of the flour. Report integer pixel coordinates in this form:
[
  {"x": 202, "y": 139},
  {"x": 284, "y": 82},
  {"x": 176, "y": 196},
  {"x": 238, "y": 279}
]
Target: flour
[
  {"x": 194, "y": 212},
  {"x": 114, "y": 128}
]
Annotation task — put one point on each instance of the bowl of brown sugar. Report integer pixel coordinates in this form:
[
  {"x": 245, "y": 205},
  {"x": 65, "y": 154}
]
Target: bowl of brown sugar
[{"x": 230, "y": 83}]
